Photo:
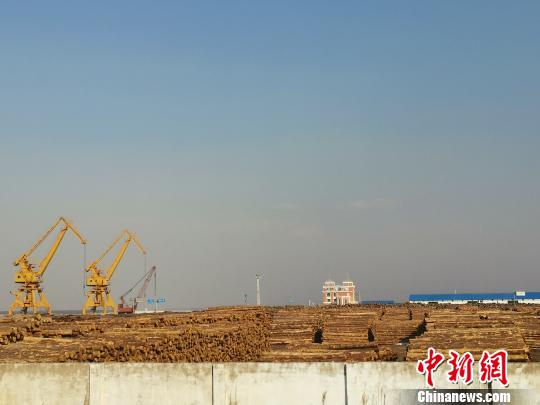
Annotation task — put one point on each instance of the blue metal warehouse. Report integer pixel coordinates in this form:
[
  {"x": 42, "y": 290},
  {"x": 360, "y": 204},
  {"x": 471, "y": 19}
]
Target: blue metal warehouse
[{"x": 522, "y": 297}]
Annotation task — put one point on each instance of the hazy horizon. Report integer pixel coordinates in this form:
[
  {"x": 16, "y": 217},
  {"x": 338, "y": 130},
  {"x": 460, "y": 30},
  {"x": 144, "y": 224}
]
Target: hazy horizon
[{"x": 395, "y": 143}]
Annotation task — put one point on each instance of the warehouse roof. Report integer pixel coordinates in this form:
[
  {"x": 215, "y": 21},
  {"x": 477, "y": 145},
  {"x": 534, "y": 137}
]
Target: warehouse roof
[{"x": 475, "y": 297}]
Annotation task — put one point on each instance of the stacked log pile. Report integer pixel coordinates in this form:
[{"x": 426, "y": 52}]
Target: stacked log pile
[
  {"x": 348, "y": 329},
  {"x": 191, "y": 345},
  {"x": 351, "y": 333},
  {"x": 293, "y": 327},
  {"x": 348, "y": 326},
  {"x": 393, "y": 327},
  {"x": 14, "y": 328},
  {"x": 321, "y": 334},
  {"x": 292, "y": 332},
  {"x": 529, "y": 324},
  {"x": 226, "y": 335},
  {"x": 9, "y": 334},
  {"x": 397, "y": 324},
  {"x": 221, "y": 335},
  {"x": 37, "y": 350},
  {"x": 470, "y": 329}
]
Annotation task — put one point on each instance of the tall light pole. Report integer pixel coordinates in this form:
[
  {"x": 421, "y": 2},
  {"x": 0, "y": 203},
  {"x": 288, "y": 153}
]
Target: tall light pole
[{"x": 258, "y": 290}]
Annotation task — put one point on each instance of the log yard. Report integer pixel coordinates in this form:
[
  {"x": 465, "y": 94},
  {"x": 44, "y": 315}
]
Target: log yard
[
  {"x": 269, "y": 203},
  {"x": 400, "y": 332},
  {"x": 338, "y": 330}
]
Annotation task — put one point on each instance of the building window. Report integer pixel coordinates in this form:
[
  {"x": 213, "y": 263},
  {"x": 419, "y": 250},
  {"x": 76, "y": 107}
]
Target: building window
[{"x": 339, "y": 294}]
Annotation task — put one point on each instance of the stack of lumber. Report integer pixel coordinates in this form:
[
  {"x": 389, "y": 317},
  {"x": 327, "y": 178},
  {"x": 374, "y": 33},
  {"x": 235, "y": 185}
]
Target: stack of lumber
[
  {"x": 37, "y": 350},
  {"x": 348, "y": 326},
  {"x": 10, "y": 334},
  {"x": 392, "y": 329},
  {"x": 291, "y": 335},
  {"x": 202, "y": 337},
  {"x": 321, "y": 353},
  {"x": 529, "y": 324},
  {"x": 230, "y": 335},
  {"x": 242, "y": 344},
  {"x": 397, "y": 325},
  {"x": 321, "y": 334},
  {"x": 350, "y": 333},
  {"x": 470, "y": 330},
  {"x": 29, "y": 324},
  {"x": 293, "y": 326},
  {"x": 14, "y": 328}
]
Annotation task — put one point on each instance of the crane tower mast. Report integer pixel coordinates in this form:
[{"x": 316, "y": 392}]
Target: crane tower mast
[
  {"x": 98, "y": 281},
  {"x": 30, "y": 293}
]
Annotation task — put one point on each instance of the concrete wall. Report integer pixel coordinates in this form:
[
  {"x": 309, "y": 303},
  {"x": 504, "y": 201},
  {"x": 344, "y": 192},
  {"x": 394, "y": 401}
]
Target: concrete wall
[
  {"x": 148, "y": 383},
  {"x": 44, "y": 384},
  {"x": 279, "y": 383},
  {"x": 396, "y": 383},
  {"x": 233, "y": 383}
]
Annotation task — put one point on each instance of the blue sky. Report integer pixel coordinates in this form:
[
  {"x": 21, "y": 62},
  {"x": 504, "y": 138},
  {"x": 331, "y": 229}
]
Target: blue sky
[{"x": 396, "y": 142}]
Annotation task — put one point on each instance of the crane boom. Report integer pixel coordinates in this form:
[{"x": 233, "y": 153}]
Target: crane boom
[
  {"x": 36, "y": 245},
  {"x": 117, "y": 259},
  {"x": 113, "y": 244},
  {"x": 29, "y": 279},
  {"x": 110, "y": 271},
  {"x": 146, "y": 283},
  {"x": 147, "y": 277},
  {"x": 137, "y": 242},
  {"x": 67, "y": 225},
  {"x": 98, "y": 280},
  {"x": 47, "y": 259},
  {"x": 123, "y": 296},
  {"x": 131, "y": 237}
]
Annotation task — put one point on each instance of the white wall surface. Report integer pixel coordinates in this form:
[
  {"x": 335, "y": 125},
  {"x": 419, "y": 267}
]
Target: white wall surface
[{"x": 366, "y": 383}]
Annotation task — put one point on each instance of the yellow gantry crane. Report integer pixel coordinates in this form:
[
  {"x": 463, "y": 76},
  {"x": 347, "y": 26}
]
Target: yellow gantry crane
[
  {"x": 30, "y": 279},
  {"x": 98, "y": 281}
]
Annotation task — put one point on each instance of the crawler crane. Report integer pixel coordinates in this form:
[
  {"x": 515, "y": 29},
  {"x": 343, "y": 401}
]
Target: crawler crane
[
  {"x": 126, "y": 309},
  {"x": 30, "y": 279},
  {"x": 99, "y": 295}
]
